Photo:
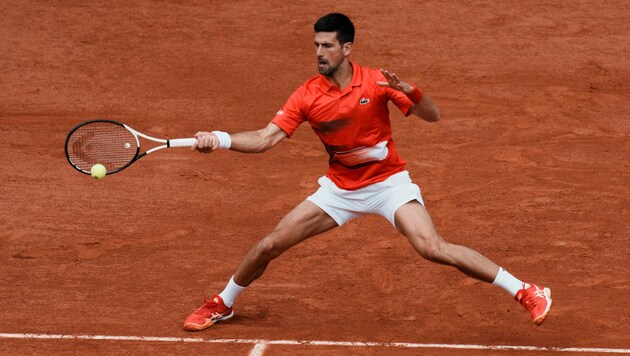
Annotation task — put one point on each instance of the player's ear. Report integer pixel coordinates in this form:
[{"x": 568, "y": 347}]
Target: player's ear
[{"x": 347, "y": 48}]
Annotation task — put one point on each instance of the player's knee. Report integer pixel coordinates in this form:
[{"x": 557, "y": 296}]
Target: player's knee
[
  {"x": 434, "y": 253},
  {"x": 268, "y": 249},
  {"x": 435, "y": 250}
]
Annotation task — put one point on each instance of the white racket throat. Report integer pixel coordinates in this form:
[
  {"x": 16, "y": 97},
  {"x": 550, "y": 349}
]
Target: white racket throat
[{"x": 176, "y": 142}]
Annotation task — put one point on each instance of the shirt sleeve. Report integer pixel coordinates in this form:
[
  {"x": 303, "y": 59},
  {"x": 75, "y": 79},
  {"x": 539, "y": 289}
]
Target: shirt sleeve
[
  {"x": 291, "y": 115},
  {"x": 401, "y": 100}
]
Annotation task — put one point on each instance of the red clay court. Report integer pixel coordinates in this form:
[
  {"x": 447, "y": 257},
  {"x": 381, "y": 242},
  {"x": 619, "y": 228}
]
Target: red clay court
[{"x": 529, "y": 165}]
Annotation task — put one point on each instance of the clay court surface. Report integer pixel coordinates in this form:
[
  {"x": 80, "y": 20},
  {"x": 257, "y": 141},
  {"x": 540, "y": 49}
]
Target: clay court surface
[{"x": 529, "y": 165}]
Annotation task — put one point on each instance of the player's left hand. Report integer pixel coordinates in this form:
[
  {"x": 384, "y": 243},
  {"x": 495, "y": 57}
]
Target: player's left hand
[{"x": 394, "y": 82}]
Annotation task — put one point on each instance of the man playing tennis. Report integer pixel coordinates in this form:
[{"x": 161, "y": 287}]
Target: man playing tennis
[{"x": 346, "y": 105}]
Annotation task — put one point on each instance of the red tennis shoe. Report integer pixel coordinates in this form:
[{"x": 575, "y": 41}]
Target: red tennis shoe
[
  {"x": 536, "y": 300},
  {"x": 209, "y": 313}
]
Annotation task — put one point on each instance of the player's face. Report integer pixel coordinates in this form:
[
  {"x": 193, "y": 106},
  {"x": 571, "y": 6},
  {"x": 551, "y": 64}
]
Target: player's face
[{"x": 330, "y": 54}]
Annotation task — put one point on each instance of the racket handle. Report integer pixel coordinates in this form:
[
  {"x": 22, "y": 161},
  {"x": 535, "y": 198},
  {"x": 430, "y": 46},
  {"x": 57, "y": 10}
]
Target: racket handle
[{"x": 182, "y": 142}]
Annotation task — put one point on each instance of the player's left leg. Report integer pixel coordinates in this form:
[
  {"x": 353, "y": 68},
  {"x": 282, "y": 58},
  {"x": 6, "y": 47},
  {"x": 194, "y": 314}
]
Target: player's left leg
[{"x": 413, "y": 221}]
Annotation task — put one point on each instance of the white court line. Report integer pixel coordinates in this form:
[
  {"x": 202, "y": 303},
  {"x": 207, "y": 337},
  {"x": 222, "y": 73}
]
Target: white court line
[
  {"x": 262, "y": 344},
  {"x": 258, "y": 349}
]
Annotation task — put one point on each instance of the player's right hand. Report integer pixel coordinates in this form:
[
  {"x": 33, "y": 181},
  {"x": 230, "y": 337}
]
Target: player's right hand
[{"x": 206, "y": 142}]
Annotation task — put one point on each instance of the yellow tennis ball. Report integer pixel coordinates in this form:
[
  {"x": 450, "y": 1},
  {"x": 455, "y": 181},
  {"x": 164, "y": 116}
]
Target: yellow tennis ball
[{"x": 98, "y": 171}]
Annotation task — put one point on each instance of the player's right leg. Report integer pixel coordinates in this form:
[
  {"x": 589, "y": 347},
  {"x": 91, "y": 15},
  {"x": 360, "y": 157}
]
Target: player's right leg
[{"x": 304, "y": 221}]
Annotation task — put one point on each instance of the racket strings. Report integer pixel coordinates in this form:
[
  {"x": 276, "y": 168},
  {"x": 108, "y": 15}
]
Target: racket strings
[{"x": 106, "y": 143}]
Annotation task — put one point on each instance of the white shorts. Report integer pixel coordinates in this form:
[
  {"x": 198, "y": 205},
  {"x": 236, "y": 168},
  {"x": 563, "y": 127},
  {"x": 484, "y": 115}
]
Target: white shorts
[{"x": 382, "y": 198}]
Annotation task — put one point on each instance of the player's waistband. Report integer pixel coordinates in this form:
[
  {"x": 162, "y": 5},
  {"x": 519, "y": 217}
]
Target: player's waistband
[{"x": 393, "y": 180}]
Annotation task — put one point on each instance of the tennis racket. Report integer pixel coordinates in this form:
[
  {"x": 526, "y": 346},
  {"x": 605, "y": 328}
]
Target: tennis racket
[{"x": 112, "y": 144}]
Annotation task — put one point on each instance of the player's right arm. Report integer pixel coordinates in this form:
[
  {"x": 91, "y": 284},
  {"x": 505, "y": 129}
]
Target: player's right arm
[
  {"x": 287, "y": 119},
  {"x": 246, "y": 142}
]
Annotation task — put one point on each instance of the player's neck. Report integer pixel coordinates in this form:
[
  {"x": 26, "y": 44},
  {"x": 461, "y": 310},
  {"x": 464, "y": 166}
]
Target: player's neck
[{"x": 342, "y": 76}]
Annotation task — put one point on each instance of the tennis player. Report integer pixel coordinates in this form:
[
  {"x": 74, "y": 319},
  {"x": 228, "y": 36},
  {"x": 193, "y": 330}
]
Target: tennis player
[{"x": 346, "y": 106}]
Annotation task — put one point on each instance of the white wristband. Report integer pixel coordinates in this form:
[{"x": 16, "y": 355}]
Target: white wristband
[{"x": 225, "y": 141}]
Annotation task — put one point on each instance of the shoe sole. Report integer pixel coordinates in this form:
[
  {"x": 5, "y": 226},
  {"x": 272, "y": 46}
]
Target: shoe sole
[
  {"x": 207, "y": 324},
  {"x": 543, "y": 316}
]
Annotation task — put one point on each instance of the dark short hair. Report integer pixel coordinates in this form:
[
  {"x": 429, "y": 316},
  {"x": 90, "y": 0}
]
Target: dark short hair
[{"x": 336, "y": 22}]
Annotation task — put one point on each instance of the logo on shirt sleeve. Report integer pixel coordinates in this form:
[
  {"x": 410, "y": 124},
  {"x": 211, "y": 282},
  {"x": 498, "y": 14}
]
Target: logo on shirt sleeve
[
  {"x": 280, "y": 112},
  {"x": 364, "y": 101}
]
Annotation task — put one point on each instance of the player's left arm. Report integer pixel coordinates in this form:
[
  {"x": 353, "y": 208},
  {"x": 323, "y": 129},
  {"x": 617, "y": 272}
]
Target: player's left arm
[{"x": 423, "y": 106}]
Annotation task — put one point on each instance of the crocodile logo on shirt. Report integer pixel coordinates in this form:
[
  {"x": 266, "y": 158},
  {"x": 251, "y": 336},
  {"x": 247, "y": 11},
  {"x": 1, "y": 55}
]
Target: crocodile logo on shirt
[{"x": 364, "y": 101}]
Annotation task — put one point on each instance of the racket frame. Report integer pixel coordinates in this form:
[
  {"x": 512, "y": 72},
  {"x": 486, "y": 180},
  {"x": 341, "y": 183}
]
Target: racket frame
[{"x": 178, "y": 142}]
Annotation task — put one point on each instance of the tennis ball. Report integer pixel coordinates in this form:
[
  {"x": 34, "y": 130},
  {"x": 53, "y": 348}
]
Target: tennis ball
[{"x": 98, "y": 171}]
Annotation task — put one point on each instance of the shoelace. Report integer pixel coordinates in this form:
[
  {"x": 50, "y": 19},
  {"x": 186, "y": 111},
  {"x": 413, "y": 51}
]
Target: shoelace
[
  {"x": 211, "y": 304},
  {"x": 530, "y": 300},
  {"x": 539, "y": 293}
]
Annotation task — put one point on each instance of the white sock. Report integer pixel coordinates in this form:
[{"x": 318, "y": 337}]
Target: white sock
[
  {"x": 231, "y": 291},
  {"x": 508, "y": 282}
]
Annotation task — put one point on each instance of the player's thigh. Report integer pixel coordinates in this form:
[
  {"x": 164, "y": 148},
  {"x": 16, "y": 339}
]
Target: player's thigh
[
  {"x": 413, "y": 221},
  {"x": 304, "y": 221}
]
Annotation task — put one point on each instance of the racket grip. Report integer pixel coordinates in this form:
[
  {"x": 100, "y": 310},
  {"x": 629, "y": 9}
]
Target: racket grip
[{"x": 181, "y": 142}]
